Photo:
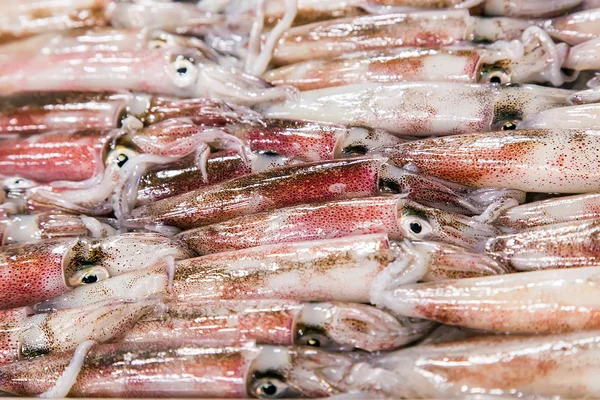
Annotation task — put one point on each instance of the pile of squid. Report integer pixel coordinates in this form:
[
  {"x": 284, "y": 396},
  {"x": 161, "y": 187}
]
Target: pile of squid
[{"x": 300, "y": 198}]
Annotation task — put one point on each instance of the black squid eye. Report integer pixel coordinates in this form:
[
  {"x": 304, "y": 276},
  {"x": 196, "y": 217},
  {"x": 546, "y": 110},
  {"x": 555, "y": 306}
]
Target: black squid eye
[
  {"x": 88, "y": 279},
  {"x": 416, "y": 227},
  {"x": 509, "y": 126},
  {"x": 355, "y": 150},
  {"x": 269, "y": 388},
  {"x": 122, "y": 159}
]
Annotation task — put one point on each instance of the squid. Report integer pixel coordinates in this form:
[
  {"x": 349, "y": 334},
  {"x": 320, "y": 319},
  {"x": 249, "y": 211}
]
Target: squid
[
  {"x": 583, "y": 116},
  {"x": 394, "y": 215},
  {"x": 32, "y": 272},
  {"x": 31, "y": 17},
  {"x": 56, "y": 156},
  {"x": 330, "y": 326},
  {"x": 530, "y": 9},
  {"x": 26, "y": 335},
  {"x": 533, "y": 59},
  {"x": 537, "y": 160},
  {"x": 547, "y": 301},
  {"x": 262, "y": 191},
  {"x": 48, "y": 225},
  {"x": 563, "y": 365},
  {"x": 422, "y": 108},
  {"x": 155, "y": 369},
  {"x": 179, "y": 72},
  {"x": 564, "y": 245},
  {"x": 419, "y": 29},
  {"x": 551, "y": 211},
  {"x": 44, "y": 112},
  {"x": 575, "y": 28},
  {"x": 341, "y": 269},
  {"x": 584, "y": 56},
  {"x": 322, "y": 181},
  {"x": 99, "y": 39}
]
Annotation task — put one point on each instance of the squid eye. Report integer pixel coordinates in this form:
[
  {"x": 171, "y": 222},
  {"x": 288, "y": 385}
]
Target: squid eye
[
  {"x": 120, "y": 155},
  {"x": 497, "y": 76},
  {"x": 509, "y": 126},
  {"x": 184, "y": 71},
  {"x": 157, "y": 43},
  {"x": 354, "y": 150},
  {"x": 88, "y": 276},
  {"x": 314, "y": 340},
  {"x": 269, "y": 388},
  {"x": 416, "y": 227},
  {"x": 17, "y": 183}
]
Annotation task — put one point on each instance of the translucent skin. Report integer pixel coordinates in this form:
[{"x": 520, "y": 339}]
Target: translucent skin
[
  {"x": 55, "y": 156},
  {"x": 552, "y": 160},
  {"x": 390, "y": 214},
  {"x": 338, "y": 36},
  {"x": 263, "y": 191},
  {"x": 39, "y": 112},
  {"x": 154, "y": 369},
  {"x": 495, "y": 365},
  {"x": 36, "y": 16},
  {"x": 336, "y": 326},
  {"x": 554, "y": 300},
  {"x": 575, "y": 28}
]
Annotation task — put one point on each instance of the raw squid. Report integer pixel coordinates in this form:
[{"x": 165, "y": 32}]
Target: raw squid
[
  {"x": 54, "y": 156},
  {"x": 423, "y": 29},
  {"x": 181, "y": 72},
  {"x": 274, "y": 188},
  {"x": 562, "y": 365},
  {"x": 564, "y": 245},
  {"x": 341, "y": 269},
  {"x": 394, "y": 215},
  {"x": 575, "y": 28},
  {"x": 533, "y": 59},
  {"x": 28, "y": 17},
  {"x": 98, "y": 39},
  {"x": 32, "y": 272},
  {"x": 43, "y": 112},
  {"x": 35, "y": 227},
  {"x": 553, "y": 160},
  {"x": 422, "y": 108},
  {"x": 553, "y": 300},
  {"x": 552, "y": 211},
  {"x": 529, "y": 8},
  {"x": 330, "y": 326},
  {"x": 26, "y": 335},
  {"x": 585, "y": 116},
  {"x": 155, "y": 369},
  {"x": 584, "y": 56}
]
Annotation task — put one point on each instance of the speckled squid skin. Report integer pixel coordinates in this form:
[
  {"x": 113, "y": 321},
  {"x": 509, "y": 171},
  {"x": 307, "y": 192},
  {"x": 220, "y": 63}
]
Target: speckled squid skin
[
  {"x": 383, "y": 66},
  {"x": 565, "y": 245},
  {"x": 337, "y": 326},
  {"x": 584, "y": 56},
  {"x": 185, "y": 175},
  {"x": 562, "y": 161},
  {"x": 220, "y": 323},
  {"x": 334, "y": 269},
  {"x": 147, "y": 369},
  {"x": 564, "y": 365},
  {"x": 43, "y": 112},
  {"x": 298, "y": 223},
  {"x": 66, "y": 156},
  {"x": 263, "y": 191},
  {"x": 385, "y": 214},
  {"x": 32, "y": 272},
  {"x": 421, "y": 108},
  {"x": 37, "y": 16},
  {"x": 552, "y": 211},
  {"x": 339, "y": 36},
  {"x": 529, "y": 8},
  {"x": 575, "y": 28},
  {"x": 26, "y": 335},
  {"x": 559, "y": 300}
]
